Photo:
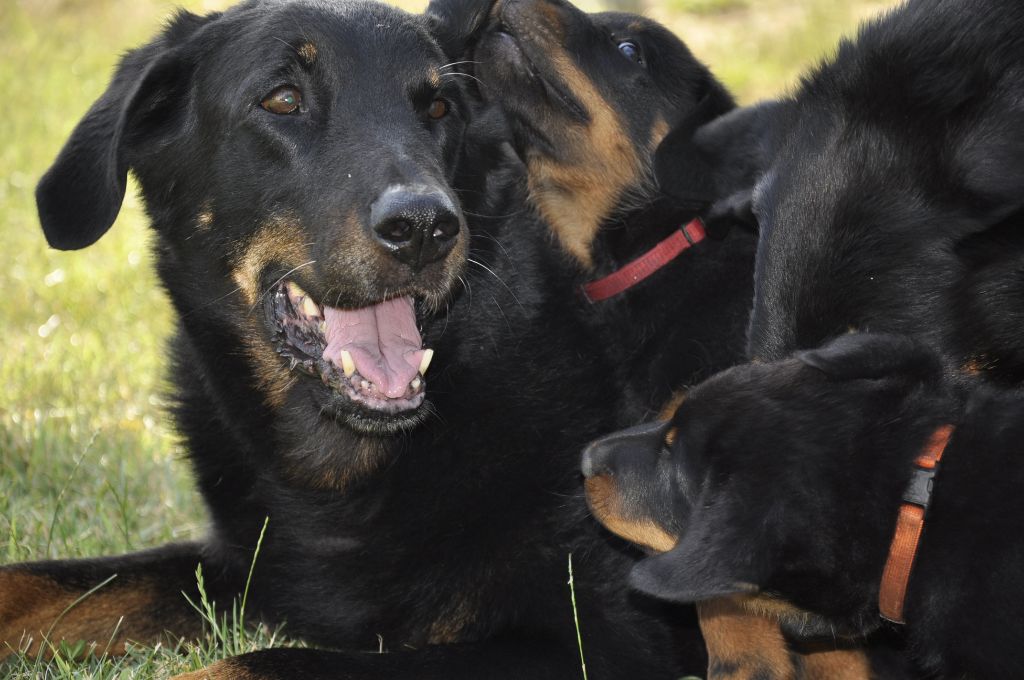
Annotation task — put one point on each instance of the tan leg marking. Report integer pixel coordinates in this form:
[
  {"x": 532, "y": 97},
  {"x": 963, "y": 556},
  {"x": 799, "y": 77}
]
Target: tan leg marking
[
  {"x": 35, "y": 610},
  {"x": 742, "y": 645}
]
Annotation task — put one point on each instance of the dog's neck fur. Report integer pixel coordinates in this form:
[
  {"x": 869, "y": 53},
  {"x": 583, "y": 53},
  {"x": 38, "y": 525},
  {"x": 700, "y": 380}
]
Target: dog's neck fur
[
  {"x": 966, "y": 577},
  {"x": 685, "y": 322}
]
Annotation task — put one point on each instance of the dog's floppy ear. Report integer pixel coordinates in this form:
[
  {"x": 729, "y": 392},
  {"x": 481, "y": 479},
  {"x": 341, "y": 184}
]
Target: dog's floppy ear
[
  {"x": 990, "y": 159},
  {"x": 456, "y": 23},
  {"x": 701, "y": 567},
  {"x": 872, "y": 356},
  {"x": 80, "y": 196},
  {"x": 718, "y": 154}
]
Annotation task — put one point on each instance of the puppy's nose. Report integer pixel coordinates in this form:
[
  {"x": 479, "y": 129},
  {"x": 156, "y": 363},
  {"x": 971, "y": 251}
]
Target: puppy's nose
[
  {"x": 417, "y": 225},
  {"x": 599, "y": 457},
  {"x": 595, "y": 460}
]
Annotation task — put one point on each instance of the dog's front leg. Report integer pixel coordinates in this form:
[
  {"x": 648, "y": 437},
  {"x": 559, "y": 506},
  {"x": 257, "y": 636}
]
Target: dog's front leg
[
  {"x": 104, "y": 601},
  {"x": 743, "y": 645},
  {"x": 493, "y": 660}
]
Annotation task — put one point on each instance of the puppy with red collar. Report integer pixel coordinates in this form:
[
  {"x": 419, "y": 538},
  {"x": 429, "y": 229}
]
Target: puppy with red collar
[{"x": 835, "y": 490}]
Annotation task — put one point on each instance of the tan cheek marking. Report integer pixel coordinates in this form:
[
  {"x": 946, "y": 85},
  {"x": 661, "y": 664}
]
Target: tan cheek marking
[
  {"x": 668, "y": 411},
  {"x": 659, "y": 131},
  {"x": 33, "y": 606},
  {"x": 742, "y": 645},
  {"x": 280, "y": 240},
  {"x": 576, "y": 197},
  {"x": 307, "y": 51},
  {"x": 434, "y": 77},
  {"x": 604, "y": 502}
]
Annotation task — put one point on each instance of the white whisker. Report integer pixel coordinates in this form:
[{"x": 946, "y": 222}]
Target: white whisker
[
  {"x": 286, "y": 275},
  {"x": 498, "y": 278},
  {"x": 456, "y": 63}
]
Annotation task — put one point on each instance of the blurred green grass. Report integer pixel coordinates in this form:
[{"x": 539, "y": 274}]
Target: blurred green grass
[{"x": 88, "y": 462}]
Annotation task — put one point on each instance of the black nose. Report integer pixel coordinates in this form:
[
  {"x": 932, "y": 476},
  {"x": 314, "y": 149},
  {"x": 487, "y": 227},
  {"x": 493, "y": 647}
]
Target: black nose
[
  {"x": 599, "y": 457},
  {"x": 416, "y": 225}
]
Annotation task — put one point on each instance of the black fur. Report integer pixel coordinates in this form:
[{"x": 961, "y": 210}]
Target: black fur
[
  {"x": 785, "y": 479},
  {"x": 442, "y": 537},
  {"x": 887, "y": 189},
  {"x": 689, "y": 319}
]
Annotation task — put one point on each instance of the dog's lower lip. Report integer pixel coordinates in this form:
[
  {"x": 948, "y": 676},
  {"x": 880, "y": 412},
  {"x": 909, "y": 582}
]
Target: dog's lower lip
[{"x": 300, "y": 330}]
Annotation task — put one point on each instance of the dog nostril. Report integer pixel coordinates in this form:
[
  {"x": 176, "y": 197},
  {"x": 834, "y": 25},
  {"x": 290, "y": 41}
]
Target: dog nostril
[
  {"x": 396, "y": 231},
  {"x": 446, "y": 229}
]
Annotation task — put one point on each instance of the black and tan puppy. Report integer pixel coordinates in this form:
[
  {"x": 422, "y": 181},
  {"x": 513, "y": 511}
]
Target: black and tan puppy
[
  {"x": 300, "y": 163},
  {"x": 888, "y": 188},
  {"x": 782, "y": 485},
  {"x": 590, "y": 97}
]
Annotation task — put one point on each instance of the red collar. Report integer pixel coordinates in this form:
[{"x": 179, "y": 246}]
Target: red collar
[
  {"x": 647, "y": 264},
  {"x": 909, "y": 525}
]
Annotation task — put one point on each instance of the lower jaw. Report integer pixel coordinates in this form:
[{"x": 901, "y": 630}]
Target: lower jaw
[{"x": 369, "y": 421}]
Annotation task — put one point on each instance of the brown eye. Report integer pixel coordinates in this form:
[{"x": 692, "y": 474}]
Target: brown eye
[
  {"x": 438, "y": 109},
  {"x": 283, "y": 100}
]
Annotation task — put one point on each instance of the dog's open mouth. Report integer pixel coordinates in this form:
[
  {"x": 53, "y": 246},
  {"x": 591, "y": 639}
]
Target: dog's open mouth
[{"x": 374, "y": 356}]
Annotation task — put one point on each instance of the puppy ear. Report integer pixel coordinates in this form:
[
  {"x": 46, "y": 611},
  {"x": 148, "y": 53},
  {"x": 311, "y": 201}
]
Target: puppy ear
[
  {"x": 456, "y": 23},
  {"x": 699, "y": 568},
  {"x": 80, "y": 196},
  {"x": 872, "y": 356},
  {"x": 990, "y": 160},
  {"x": 713, "y": 156}
]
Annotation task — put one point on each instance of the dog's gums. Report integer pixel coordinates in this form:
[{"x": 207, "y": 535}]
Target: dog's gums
[{"x": 373, "y": 356}]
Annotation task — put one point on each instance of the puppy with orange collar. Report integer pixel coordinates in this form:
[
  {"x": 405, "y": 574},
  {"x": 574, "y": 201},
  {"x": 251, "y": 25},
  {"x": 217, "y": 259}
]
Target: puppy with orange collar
[{"x": 811, "y": 490}]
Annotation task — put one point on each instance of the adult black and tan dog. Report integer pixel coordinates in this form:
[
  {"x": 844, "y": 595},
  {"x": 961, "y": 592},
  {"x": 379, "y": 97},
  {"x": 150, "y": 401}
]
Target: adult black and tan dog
[
  {"x": 780, "y": 485},
  {"x": 300, "y": 163},
  {"x": 887, "y": 189}
]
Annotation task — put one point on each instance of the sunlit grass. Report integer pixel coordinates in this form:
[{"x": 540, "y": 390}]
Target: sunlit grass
[{"x": 88, "y": 462}]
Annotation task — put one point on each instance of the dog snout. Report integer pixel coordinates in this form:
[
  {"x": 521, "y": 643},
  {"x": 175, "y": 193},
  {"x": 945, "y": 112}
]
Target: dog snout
[
  {"x": 600, "y": 457},
  {"x": 417, "y": 226}
]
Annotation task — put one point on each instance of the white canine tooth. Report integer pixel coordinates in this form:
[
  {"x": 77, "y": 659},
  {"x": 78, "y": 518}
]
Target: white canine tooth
[
  {"x": 428, "y": 356},
  {"x": 323, "y": 327},
  {"x": 347, "y": 364},
  {"x": 415, "y": 384},
  {"x": 294, "y": 290},
  {"x": 310, "y": 308}
]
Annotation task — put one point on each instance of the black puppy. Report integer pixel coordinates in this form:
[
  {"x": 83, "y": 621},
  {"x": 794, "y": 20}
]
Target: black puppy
[
  {"x": 306, "y": 226},
  {"x": 796, "y": 488},
  {"x": 590, "y": 97},
  {"x": 887, "y": 189}
]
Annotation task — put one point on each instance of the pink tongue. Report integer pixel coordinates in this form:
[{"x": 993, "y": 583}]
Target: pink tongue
[{"x": 385, "y": 345}]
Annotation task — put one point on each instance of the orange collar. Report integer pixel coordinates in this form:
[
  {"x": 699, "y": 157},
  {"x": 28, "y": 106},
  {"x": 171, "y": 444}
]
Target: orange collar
[
  {"x": 639, "y": 269},
  {"x": 909, "y": 525}
]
